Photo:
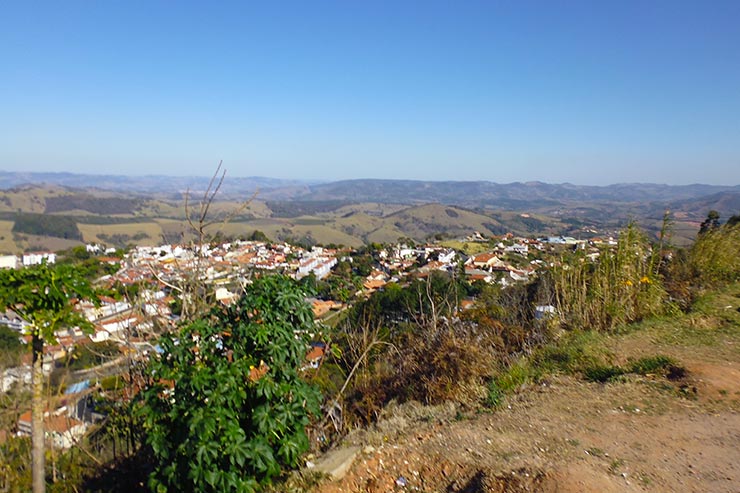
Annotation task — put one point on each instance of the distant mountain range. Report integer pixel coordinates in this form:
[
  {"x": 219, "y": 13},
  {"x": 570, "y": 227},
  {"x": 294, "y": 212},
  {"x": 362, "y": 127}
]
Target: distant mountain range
[
  {"x": 349, "y": 211},
  {"x": 507, "y": 196},
  {"x": 476, "y": 194},
  {"x": 148, "y": 184}
]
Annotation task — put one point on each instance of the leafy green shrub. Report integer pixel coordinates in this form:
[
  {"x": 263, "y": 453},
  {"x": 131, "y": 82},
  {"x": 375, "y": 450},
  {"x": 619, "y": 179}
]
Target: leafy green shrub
[
  {"x": 510, "y": 379},
  {"x": 494, "y": 396},
  {"x": 514, "y": 377},
  {"x": 229, "y": 409},
  {"x": 15, "y": 466},
  {"x": 113, "y": 382},
  {"x": 602, "y": 373},
  {"x": 651, "y": 364},
  {"x": 573, "y": 352},
  {"x": 647, "y": 365}
]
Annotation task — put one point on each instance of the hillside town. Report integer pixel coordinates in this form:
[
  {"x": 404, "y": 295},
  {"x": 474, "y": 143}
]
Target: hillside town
[{"x": 146, "y": 286}]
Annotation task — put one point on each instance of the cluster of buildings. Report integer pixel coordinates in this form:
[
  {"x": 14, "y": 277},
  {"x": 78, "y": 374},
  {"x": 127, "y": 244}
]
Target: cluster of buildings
[
  {"x": 157, "y": 272},
  {"x": 494, "y": 265}
]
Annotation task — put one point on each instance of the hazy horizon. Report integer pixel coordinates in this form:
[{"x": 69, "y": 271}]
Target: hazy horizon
[
  {"x": 320, "y": 181},
  {"x": 580, "y": 92}
]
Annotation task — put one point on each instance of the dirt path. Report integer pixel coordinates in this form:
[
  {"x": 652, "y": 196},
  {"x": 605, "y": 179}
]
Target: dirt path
[{"x": 642, "y": 434}]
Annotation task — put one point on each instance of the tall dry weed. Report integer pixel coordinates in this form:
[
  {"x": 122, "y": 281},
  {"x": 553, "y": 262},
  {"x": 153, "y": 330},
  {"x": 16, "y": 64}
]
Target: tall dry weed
[{"x": 621, "y": 286}]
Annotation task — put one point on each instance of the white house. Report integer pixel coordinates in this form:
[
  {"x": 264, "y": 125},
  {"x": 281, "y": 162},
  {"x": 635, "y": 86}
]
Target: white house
[
  {"x": 93, "y": 248},
  {"x": 320, "y": 266},
  {"x": 517, "y": 248},
  {"x": 63, "y": 431},
  {"x": 8, "y": 262},
  {"x": 35, "y": 258},
  {"x": 12, "y": 320},
  {"x": 447, "y": 256}
]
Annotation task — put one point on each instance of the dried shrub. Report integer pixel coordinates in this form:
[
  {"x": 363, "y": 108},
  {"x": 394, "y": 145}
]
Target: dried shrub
[{"x": 431, "y": 365}]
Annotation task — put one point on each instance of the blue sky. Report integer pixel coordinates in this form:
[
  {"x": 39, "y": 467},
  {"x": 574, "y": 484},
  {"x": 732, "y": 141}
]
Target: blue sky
[{"x": 557, "y": 91}]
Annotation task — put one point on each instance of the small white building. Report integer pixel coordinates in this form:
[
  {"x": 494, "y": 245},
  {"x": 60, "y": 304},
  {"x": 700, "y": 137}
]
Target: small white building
[
  {"x": 320, "y": 266},
  {"x": 93, "y": 248},
  {"x": 447, "y": 256},
  {"x": 13, "y": 320},
  {"x": 61, "y": 430},
  {"x": 517, "y": 248},
  {"x": 544, "y": 312},
  {"x": 8, "y": 262},
  {"x": 35, "y": 258}
]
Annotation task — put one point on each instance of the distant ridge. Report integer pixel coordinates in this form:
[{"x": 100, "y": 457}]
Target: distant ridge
[
  {"x": 467, "y": 193},
  {"x": 145, "y": 184},
  {"x": 508, "y": 196},
  {"x": 598, "y": 202}
]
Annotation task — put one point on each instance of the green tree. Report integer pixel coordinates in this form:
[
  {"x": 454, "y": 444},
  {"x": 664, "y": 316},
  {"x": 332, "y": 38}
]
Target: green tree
[
  {"x": 258, "y": 235},
  {"x": 710, "y": 223},
  {"x": 229, "y": 408},
  {"x": 41, "y": 295}
]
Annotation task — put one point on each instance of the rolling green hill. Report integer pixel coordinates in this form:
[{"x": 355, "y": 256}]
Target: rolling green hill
[{"x": 353, "y": 212}]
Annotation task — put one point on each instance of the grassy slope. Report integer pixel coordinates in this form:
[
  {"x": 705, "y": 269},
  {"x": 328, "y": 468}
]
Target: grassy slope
[
  {"x": 30, "y": 199},
  {"x": 467, "y": 247},
  {"x": 371, "y": 208},
  {"x": 350, "y": 225},
  {"x": 7, "y": 245},
  {"x": 91, "y": 232},
  {"x": 422, "y": 221}
]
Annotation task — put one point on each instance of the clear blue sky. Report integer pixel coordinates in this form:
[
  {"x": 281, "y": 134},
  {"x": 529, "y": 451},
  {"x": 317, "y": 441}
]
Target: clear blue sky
[{"x": 586, "y": 92}]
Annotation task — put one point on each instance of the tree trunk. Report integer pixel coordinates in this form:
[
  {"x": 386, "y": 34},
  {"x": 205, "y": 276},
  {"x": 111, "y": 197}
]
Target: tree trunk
[{"x": 37, "y": 416}]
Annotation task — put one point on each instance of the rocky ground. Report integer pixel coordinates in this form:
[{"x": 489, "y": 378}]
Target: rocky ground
[{"x": 640, "y": 433}]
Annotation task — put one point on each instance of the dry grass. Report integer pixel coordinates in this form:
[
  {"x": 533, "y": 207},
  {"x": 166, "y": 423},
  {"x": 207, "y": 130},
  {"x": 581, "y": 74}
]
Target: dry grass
[
  {"x": 31, "y": 199},
  {"x": 48, "y": 243},
  {"x": 467, "y": 247},
  {"x": 386, "y": 234},
  {"x": 431, "y": 366},
  {"x": 7, "y": 245},
  {"x": 91, "y": 232},
  {"x": 279, "y": 229}
]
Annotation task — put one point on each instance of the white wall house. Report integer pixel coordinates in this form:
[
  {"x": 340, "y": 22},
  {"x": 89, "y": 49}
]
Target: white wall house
[
  {"x": 8, "y": 262},
  {"x": 35, "y": 258}
]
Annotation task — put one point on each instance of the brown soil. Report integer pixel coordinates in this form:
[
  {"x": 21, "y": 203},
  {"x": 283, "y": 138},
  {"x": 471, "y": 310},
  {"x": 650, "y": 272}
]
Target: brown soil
[{"x": 566, "y": 435}]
